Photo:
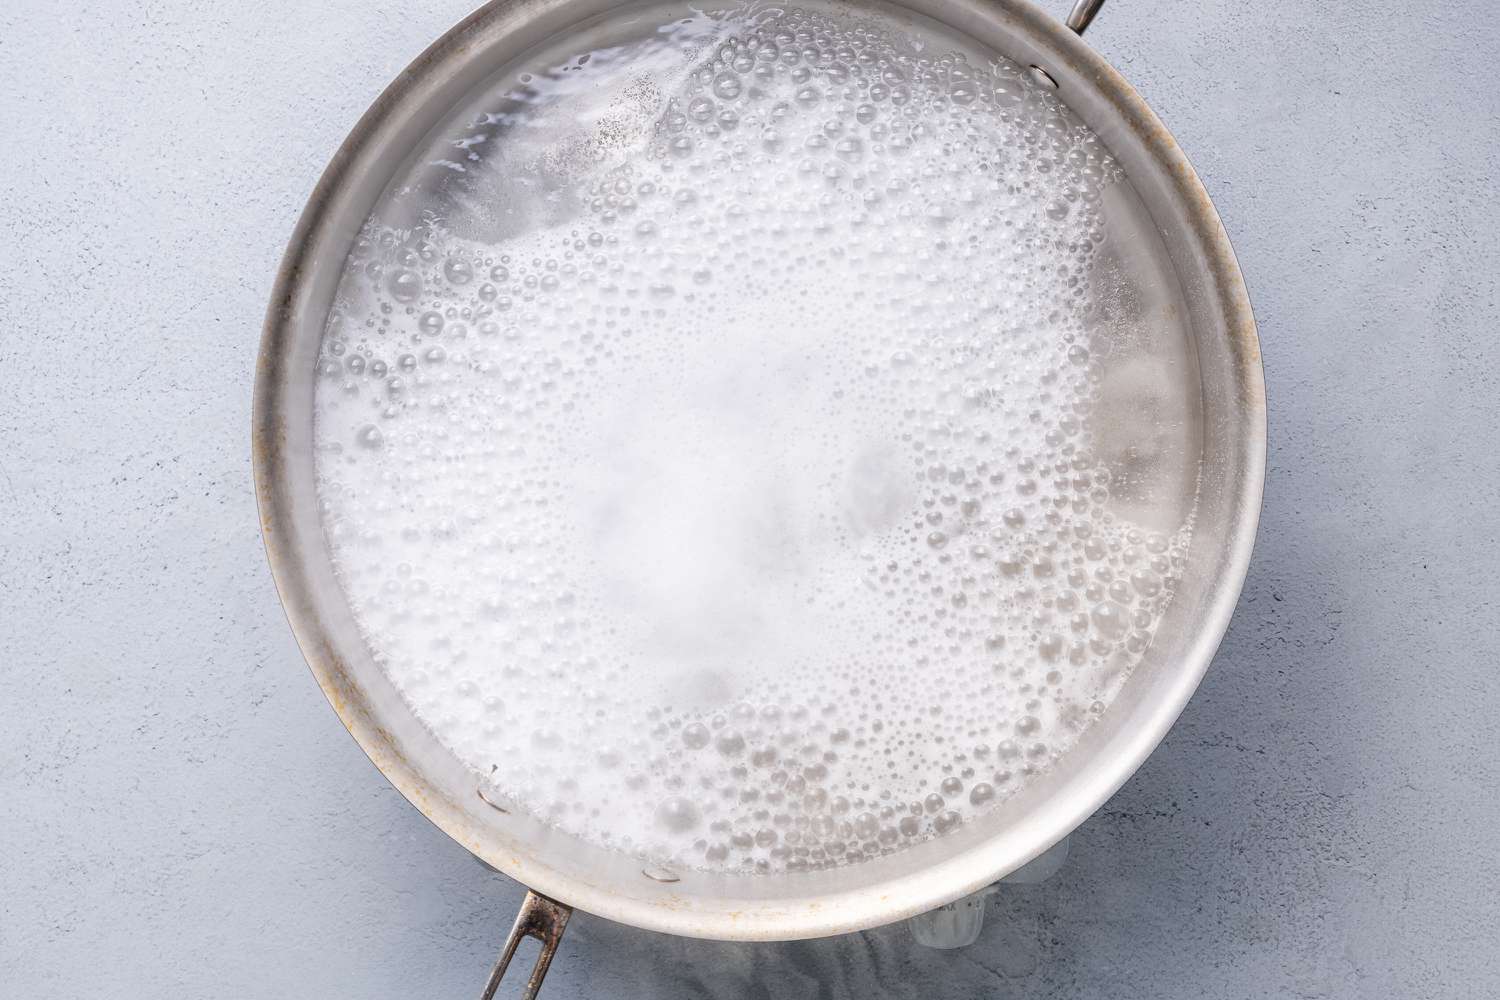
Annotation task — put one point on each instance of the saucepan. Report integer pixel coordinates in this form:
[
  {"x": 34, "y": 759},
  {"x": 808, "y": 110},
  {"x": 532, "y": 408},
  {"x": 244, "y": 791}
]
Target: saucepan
[{"x": 1174, "y": 222}]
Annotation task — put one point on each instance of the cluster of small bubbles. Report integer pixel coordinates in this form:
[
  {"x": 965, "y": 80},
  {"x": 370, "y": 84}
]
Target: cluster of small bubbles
[{"x": 750, "y": 514}]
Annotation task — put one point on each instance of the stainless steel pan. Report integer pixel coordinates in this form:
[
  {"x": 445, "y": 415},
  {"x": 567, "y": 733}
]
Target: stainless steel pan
[{"x": 1176, "y": 221}]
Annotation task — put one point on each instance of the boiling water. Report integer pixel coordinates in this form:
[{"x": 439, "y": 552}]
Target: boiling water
[{"x": 739, "y": 446}]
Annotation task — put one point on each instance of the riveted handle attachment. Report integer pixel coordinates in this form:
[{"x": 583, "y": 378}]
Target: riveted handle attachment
[{"x": 543, "y": 919}]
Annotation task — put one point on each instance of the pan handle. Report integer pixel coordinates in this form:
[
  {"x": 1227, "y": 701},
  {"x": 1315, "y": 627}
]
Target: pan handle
[
  {"x": 1083, "y": 14},
  {"x": 543, "y": 919}
]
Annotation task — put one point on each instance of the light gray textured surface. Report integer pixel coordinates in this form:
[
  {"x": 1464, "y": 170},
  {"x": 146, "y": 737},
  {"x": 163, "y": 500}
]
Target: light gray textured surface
[{"x": 182, "y": 811}]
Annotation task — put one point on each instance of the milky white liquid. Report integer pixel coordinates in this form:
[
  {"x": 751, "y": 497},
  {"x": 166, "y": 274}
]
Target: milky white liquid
[{"x": 715, "y": 470}]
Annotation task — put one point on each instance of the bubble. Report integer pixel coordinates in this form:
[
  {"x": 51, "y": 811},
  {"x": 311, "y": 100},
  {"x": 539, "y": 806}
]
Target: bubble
[
  {"x": 1110, "y": 619},
  {"x": 701, "y": 109},
  {"x": 404, "y": 284},
  {"x": 458, "y": 271},
  {"x": 678, "y": 815},
  {"x": 727, "y": 86},
  {"x": 1146, "y": 583}
]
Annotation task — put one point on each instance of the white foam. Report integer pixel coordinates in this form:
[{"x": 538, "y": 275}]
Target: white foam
[{"x": 740, "y": 505}]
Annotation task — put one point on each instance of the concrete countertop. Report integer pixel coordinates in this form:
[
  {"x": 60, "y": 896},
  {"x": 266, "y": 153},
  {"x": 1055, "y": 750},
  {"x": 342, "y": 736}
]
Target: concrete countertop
[{"x": 183, "y": 816}]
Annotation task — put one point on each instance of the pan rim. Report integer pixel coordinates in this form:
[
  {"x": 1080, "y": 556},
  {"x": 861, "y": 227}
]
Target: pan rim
[{"x": 833, "y": 913}]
